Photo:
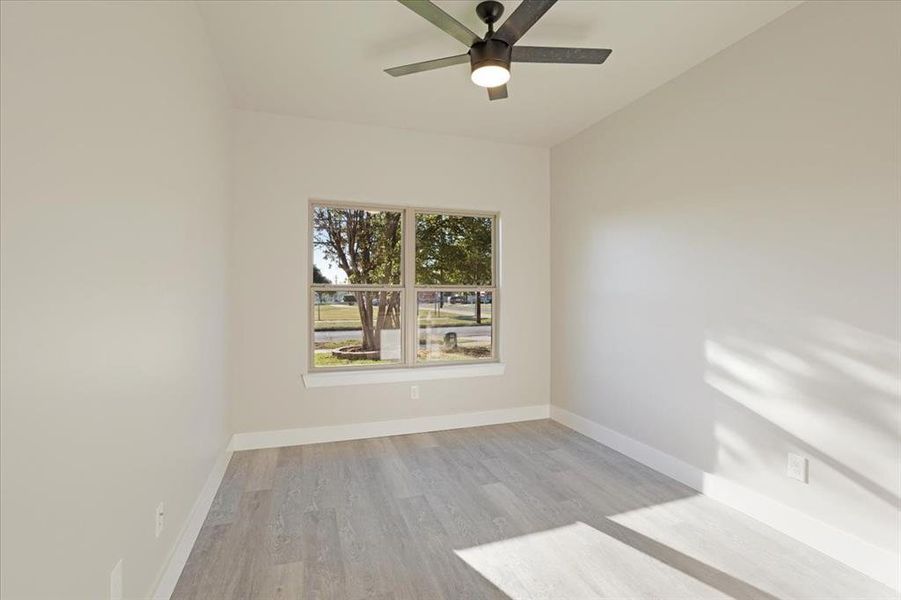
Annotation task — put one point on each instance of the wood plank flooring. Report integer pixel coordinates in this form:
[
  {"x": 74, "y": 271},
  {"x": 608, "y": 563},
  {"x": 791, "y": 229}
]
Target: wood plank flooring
[{"x": 525, "y": 510}]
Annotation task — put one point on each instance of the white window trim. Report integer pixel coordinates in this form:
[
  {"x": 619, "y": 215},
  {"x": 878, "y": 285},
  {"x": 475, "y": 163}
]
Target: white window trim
[
  {"x": 408, "y": 289},
  {"x": 333, "y": 378}
]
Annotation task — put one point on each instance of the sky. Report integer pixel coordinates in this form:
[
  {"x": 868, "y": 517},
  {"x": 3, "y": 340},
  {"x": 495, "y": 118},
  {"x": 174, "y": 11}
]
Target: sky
[{"x": 329, "y": 270}]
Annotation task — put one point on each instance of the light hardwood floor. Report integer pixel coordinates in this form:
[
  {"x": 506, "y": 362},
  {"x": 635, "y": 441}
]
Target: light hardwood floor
[{"x": 526, "y": 510}]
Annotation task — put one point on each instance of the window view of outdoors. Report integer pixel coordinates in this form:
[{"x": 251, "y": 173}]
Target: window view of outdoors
[
  {"x": 453, "y": 250},
  {"x": 454, "y": 326},
  {"x": 357, "y": 286},
  {"x": 356, "y": 328},
  {"x": 356, "y": 246}
]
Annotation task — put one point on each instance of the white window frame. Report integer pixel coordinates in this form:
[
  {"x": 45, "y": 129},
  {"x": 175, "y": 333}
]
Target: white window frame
[{"x": 408, "y": 288}]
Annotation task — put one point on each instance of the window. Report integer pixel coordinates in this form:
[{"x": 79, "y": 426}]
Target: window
[{"x": 401, "y": 287}]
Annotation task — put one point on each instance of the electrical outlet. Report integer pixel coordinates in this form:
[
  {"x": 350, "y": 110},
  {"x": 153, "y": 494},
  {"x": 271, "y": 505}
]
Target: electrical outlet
[
  {"x": 414, "y": 392},
  {"x": 797, "y": 467},
  {"x": 160, "y": 518},
  {"x": 115, "y": 582}
]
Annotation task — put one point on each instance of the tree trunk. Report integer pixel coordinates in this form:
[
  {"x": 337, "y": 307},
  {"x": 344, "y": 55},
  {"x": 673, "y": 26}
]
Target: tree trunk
[
  {"x": 370, "y": 335},
  {"x": 394, "y": 316},
  {"x": 373, "y": 322},
  {"x": 479, "y": 308}
]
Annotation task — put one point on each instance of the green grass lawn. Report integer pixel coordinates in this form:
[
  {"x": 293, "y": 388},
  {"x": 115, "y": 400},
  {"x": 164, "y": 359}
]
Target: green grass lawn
[
  {"x": 461, "y": 353},
  {"x": 464, "y": 351},
  {"x": 337, "y": 312},
  {"x": 341, "y": 317},
  {"x": 333, "y": 344},
  {"x": 325, "y": 359}
]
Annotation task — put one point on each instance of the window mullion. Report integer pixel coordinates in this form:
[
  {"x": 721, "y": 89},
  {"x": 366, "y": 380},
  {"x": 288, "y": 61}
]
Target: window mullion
[{"x": 408, "y": 319}]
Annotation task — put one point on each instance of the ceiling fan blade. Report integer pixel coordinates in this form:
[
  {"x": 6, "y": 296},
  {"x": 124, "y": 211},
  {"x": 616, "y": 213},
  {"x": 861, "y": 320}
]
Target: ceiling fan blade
[
  {"x": 544, "y": 54},
  {"x": 427, "y": 65},
  {"x": 442, "y": 20},
  {"x": 522, "y": 19},
  {"x": 497, "y": 93}
]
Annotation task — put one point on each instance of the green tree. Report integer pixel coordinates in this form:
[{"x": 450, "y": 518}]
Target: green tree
[
  {"x": 454, "y": 250},
  {"x": 366, "y": 245},
  {"x": 318, "y": 277}
]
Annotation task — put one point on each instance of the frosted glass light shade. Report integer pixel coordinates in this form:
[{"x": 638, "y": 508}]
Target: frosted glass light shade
[{"x": 490, "y": 76}]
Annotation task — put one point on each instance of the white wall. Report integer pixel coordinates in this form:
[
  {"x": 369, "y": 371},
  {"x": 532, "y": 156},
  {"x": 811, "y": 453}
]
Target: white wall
[
  {"x": 725, "y": 265},
  {"x": 114, "y": 236},
  {"x": 282, "y": 162}
]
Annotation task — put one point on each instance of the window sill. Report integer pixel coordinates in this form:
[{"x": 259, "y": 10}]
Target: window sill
[{"x": 337, "y": 378}]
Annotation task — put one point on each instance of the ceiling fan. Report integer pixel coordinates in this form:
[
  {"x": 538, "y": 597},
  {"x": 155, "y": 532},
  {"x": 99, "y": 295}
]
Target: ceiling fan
[{"x": 490, "y": 56}]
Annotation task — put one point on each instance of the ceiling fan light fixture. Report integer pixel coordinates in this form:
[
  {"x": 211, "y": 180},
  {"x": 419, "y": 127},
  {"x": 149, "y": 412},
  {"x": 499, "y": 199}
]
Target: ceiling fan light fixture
[
  {"x": 490, "y": 61},
  {"x": 489, "y": 76}
]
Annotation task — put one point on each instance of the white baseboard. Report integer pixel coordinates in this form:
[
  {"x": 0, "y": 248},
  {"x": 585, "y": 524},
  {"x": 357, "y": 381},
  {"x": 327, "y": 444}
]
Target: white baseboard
[
  {"x": 188, "y": 534},
  {"x": 882, "y": 565},
  {"x": 359, "y": 431}
]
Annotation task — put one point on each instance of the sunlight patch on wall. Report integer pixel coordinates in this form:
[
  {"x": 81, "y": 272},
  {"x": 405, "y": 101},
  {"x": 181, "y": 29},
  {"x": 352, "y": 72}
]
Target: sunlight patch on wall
[
  {"x": 805, "y": 384},
  {"x": 787, "y": 407},
  {"x": 881, "y": 380},
  {"x": 792, "y": 401}
]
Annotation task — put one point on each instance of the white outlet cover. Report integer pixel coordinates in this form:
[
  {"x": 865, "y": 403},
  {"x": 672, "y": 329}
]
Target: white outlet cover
[
  {"x": 115, "y": 582},
  {"x": 160, "y": 519},
  {"x": 797, "y": 467},
  {"x": 414, "y": 392}
]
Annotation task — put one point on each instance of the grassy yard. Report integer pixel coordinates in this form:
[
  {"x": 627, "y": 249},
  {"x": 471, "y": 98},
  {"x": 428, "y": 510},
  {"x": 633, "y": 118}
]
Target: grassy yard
[
  {"x": 461, "y": 353},
  {"x": 325, "y": 359},
  {"x": 337, "y": 312},
  {"x": 342, "y": 317},
  {"x": 333, "y": 344},
  {"x": 464, "y": 351}
]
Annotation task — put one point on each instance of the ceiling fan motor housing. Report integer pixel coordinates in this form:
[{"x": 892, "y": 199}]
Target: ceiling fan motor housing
[{"x": 490, "y": 52}]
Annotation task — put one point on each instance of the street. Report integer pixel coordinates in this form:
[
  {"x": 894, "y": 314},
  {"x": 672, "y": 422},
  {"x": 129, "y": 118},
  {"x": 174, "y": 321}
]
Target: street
[{"x": 477, "y": 333}]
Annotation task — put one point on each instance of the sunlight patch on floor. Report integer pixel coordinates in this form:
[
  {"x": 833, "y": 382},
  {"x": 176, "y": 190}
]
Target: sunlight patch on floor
[{"x": 578, "y": 561}]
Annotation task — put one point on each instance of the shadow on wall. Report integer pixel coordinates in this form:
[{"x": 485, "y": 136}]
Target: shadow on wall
[{"x": 821, "y": 388}]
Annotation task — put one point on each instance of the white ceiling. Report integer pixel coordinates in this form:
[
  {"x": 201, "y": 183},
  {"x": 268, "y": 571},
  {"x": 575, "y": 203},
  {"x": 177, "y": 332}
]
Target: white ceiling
[{"x": 324, "y": 59}]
